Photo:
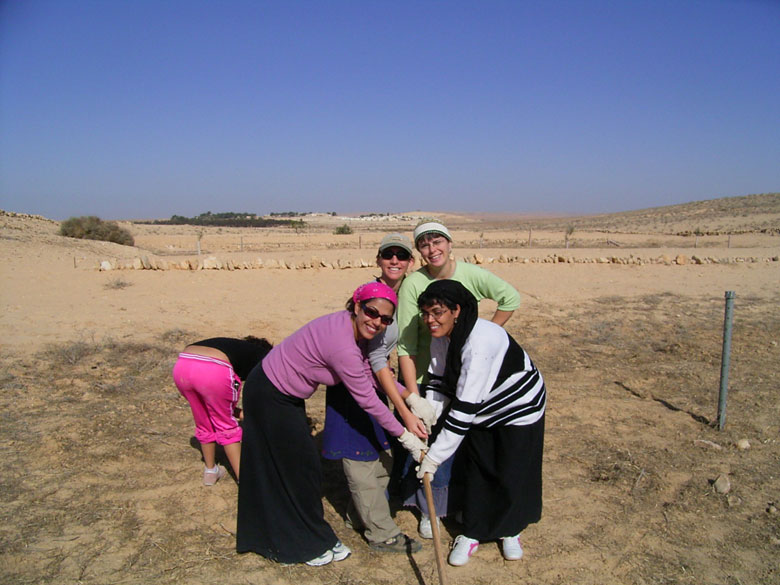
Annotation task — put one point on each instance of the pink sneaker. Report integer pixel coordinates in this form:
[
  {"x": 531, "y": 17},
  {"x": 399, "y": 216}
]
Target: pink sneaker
[
  {"x": 512, "y": 548},
  {"x": 462, "y": 549},
  {"x": 212, "y": 476}
]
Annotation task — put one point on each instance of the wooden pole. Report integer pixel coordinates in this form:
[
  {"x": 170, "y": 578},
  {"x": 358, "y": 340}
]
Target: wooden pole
[{"x": 435, "y": 527}]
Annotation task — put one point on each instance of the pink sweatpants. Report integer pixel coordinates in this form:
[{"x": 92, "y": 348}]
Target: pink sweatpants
[{"x": 212, "y": 389}]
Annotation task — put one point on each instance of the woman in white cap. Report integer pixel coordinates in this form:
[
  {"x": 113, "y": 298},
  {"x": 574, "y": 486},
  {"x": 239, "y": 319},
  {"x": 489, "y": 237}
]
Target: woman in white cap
[
  {"x": 357, "y": 439},
  {"x": 434, "y": 243}
]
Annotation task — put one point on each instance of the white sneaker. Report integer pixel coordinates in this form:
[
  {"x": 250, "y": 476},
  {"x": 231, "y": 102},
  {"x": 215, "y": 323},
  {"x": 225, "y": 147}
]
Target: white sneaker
[
  {"x": 323, "y": 559},
  {"x": 512, "y": 548},
  {"x": 212, "y": 476},
  {"x": 426, "y": 529},
  {"x": 462, "y": 549},
  {"x": 341, "y": 551}
]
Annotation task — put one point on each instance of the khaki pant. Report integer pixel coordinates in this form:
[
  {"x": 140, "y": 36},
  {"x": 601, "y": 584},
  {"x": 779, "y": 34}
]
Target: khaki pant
[{"x": 367, "y": 482}]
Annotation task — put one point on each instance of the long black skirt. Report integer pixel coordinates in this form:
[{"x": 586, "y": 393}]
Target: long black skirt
[
  {"x": 502, "y": 474},
  {"x": 280, "y": 513}
]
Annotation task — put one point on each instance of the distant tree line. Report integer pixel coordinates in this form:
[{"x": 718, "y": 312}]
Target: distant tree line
[{"x": 228, "y": 219}]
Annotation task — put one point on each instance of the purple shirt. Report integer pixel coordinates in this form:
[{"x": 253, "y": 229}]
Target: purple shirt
[{"x": 324, "y": 351}]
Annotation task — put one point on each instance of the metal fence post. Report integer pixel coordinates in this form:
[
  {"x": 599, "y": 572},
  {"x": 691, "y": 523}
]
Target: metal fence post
[{"x": 725, "y": 359}]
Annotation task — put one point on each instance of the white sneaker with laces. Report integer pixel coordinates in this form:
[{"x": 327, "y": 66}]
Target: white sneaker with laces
[
  {"x": 323, "y": 559},
  {"x": 462, "y": 549},
  {"x": 341, "y": 551},
  {"x": 512, "y": 548},
  {"x": 426, "y": 529}
]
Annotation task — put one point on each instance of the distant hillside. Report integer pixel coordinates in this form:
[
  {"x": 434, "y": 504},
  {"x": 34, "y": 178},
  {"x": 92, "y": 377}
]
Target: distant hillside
[
  {"x": 748, "y": 214},
  {"x": 727, "y": 215}
]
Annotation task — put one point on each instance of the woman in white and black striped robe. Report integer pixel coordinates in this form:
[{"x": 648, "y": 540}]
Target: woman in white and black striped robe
[{"x": 493, "y": 401}]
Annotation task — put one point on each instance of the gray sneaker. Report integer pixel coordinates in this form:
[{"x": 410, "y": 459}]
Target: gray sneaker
[
  {"x": 397, "y": 544},
  {"x": 323, "y": 559},
  {"x": 341, "y": 551}
]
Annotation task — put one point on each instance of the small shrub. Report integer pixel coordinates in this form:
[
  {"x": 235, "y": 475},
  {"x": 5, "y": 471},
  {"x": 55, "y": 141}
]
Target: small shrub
[
  {"x": 69, "y": 353},
  {"x": 343, "y": 230},
  {"x": 90, "y": 227},
  {"x": 175, "y": 336},
  {"x": 117, "y": 283}
]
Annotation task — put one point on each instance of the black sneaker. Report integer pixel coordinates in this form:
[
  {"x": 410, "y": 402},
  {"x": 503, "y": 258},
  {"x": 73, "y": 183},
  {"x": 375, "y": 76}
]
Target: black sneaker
[{"x": 397, "y": 544}]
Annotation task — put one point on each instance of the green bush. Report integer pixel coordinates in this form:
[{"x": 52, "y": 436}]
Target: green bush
[
  {"x": 90, "y": 227},
  {"x": 343, "y": 230}
]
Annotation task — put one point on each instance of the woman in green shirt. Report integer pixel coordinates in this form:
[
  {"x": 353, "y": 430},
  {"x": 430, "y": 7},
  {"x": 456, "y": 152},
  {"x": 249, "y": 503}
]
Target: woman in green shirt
[{"x": 434, "y": 243}]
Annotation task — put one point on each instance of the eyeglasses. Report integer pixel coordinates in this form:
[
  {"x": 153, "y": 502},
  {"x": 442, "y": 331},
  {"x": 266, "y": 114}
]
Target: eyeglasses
[
  {"x": 372, "y": 313},
  {"x": 437, "y": 314},
  {"x": 399, "y": 253}
]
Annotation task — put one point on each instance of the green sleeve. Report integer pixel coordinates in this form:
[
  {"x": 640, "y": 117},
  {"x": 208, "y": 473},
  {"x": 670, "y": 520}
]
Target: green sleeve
[
  {"x": 483, "y": 284},
  {"x": 407, "y": 314}
]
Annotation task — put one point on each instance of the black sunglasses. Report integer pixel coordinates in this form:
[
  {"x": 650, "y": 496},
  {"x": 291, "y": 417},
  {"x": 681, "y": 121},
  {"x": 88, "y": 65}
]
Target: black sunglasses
[
  {"x": 372, "y": 313},
  {"x": 399, "y": 253}
]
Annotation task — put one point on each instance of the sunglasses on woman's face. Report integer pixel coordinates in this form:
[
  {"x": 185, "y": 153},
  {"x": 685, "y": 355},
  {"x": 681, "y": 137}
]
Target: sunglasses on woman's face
[
  {"x": 372, "y": 313},
  {"x": 399, "y": 253}
]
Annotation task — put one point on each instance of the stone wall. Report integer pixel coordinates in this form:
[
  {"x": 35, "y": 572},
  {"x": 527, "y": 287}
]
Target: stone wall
[{"x": 214, "y": 263}]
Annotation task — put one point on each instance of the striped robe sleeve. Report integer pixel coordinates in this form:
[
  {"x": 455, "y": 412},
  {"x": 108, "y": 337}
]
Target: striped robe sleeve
[{"x": 482, "y": 360}]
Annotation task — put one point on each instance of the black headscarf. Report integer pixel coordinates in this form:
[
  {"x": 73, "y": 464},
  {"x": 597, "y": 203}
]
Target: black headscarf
[{"x": 453, "y": 294}]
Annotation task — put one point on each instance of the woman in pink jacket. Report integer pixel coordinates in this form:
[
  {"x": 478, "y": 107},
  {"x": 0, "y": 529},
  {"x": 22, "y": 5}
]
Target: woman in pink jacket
[{"x": 280, "y": 513}]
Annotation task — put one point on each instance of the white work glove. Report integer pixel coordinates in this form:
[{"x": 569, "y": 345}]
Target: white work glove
[
  {"x": 422, "y": 409},
  {"x": 427, "y": 465},
  {"x": 412, "y": 444}
]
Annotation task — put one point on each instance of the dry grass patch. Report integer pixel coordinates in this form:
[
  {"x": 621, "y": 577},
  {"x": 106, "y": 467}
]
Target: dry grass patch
[{"x": 102, "y": 480}]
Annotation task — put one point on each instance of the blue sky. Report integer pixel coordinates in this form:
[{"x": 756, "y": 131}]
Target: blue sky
[{"x": 144, "y": 109}]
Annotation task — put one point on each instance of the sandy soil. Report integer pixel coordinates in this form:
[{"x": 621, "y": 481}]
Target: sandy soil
[{"x": 102, "y": 476}]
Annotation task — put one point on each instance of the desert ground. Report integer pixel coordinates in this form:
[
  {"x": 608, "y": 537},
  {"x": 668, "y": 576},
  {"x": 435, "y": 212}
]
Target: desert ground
[{"x": 101, "y": 479}]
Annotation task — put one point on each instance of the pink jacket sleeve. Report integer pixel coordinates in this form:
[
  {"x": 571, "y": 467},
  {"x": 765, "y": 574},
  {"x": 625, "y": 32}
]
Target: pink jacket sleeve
[{"x": 355, "y": 372}]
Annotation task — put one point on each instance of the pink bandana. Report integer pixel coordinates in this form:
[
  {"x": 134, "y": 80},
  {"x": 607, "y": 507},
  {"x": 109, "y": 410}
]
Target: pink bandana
[{"x": 374, "y": 290}]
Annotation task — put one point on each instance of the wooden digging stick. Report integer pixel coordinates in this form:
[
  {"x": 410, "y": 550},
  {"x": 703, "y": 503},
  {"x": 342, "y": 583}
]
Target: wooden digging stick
[{"x": 435, "y": 527}]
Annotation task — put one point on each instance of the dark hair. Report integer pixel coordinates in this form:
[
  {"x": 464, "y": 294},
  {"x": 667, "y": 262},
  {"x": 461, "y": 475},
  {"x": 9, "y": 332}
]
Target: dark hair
[
  {"x": 261, "y": 342},
  {"x": 452, "y": 295},
  {"x": 432, "y": 297}
]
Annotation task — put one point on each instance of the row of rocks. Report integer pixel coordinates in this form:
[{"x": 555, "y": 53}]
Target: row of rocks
[
  {"x": 214, "y": 263},
  {"x": 679, "y": 259}
]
